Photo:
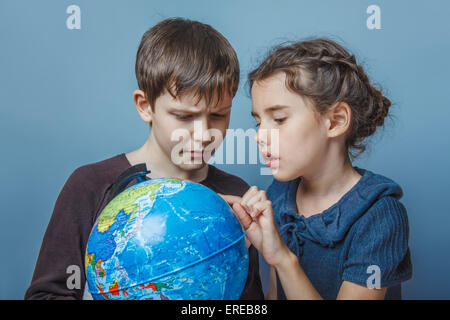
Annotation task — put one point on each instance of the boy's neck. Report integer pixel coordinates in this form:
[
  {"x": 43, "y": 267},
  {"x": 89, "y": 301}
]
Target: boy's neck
[{"x": 160, "y": 167}]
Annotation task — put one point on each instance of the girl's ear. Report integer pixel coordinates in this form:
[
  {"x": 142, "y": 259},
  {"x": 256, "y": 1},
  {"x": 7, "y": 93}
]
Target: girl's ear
[
  {"x": 143, "y": 106},
  {"x": 338, "y": 119}
]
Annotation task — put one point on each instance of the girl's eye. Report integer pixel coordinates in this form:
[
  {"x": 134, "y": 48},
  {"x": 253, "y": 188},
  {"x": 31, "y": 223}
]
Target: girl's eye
[
  {"x": 257, "y": 125},
  {"x": 280, "y": 120}
]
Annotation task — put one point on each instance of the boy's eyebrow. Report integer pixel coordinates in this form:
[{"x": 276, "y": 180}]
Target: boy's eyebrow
[
  {"x": 223, "y": 109},
  {"x": 186, "y": 110},
  {"x": 270, "y": 109}
]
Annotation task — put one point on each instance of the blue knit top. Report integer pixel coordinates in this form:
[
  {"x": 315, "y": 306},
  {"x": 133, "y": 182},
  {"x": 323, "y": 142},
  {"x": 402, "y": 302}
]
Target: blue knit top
[{"x": 363, "y": 238}]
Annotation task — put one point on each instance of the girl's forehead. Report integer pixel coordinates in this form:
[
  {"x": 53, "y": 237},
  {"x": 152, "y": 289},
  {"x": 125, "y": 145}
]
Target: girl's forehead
[
  {"x": 269, "y": 101},
  {"x": 272, "y": 91},
  {"x": 277, "y": 80},
  {"x": 272, "y": 96}
]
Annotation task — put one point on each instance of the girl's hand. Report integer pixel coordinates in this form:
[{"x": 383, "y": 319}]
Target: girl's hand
[{"x": 254, "y": 212}]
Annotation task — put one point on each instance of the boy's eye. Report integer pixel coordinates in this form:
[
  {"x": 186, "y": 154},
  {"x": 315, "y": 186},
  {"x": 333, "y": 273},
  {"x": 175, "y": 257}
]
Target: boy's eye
[
  {"x": 183, "y": 116},
  {"x": 218, "y": 115}
]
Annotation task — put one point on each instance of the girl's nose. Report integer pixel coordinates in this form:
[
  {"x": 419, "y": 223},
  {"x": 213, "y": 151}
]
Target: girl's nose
[
  {"x": 268, "y": 139},
  {"x": 261, "y": 137}
]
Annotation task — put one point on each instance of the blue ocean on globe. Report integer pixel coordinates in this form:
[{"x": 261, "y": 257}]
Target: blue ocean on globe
[{"x": 166, "y": 239}]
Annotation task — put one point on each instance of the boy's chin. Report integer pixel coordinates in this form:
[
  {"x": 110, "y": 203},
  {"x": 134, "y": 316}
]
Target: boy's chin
[
  {"x": 192, "y": 165},
  {"x": 188, "y": 163}
]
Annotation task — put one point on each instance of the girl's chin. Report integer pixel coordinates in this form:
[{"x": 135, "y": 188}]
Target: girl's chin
[{"x": 283, "y": 176}]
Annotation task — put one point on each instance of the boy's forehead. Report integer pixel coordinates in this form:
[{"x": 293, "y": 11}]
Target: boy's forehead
[{"x": 191, "y": 102}]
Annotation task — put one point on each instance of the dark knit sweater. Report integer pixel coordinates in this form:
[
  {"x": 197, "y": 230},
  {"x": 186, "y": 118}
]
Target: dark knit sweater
[
  {"x": 81, "y": 200},
  {"x": 361, "y": 237}
]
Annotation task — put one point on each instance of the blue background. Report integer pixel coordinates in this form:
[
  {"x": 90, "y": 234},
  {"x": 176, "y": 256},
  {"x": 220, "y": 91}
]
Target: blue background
[{"x": 66, "y": 100}]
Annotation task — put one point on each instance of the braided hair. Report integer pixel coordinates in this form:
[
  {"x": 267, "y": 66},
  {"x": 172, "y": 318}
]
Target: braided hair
[{"x": 326, "y": 73}]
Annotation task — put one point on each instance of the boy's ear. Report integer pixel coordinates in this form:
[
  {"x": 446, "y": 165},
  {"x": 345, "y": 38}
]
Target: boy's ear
[
  {"x": 142, "y": 106},
  {"x": 338, "y": 119}
]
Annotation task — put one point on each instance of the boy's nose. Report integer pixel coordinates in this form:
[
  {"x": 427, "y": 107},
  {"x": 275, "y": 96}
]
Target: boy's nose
[{"x": 201, "y": 131}]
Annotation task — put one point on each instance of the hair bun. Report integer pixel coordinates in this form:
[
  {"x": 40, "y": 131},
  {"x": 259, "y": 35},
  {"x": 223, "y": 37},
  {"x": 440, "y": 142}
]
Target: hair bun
[{"x": 380, "y": 107}]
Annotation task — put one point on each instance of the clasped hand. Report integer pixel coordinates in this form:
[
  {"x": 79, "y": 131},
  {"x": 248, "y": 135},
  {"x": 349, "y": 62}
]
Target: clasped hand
[{"x": 255, "y": 214}]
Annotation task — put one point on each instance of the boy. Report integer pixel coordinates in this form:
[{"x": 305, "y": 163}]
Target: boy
[{"x": 187, "y": 73}]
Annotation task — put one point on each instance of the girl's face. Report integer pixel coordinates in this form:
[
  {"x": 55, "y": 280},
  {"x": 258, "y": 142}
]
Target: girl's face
[{"x": 302, "y": 135}]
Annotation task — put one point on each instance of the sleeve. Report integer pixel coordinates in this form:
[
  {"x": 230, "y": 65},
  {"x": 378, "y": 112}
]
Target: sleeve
[
  {"x": 229, "y": 184},
  {"x": 253, "y": 286},
  {"x": 59, "y": 271},
  {"x": 378, "y": 254}
]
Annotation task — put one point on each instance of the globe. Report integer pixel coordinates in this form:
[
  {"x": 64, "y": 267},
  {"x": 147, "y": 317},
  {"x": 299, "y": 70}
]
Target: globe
[{"x": 166, "y": 239}]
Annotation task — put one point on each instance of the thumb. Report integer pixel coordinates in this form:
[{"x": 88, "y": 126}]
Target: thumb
[
  {"x": 230, "y": 199},
  {"x": 244, "y": 218}
]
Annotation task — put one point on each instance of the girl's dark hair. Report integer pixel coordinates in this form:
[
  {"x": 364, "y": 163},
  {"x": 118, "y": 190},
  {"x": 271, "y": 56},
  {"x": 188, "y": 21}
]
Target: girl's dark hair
[
  {"x": 326, "y": 73},
  {"x": 181, "y": 55}
]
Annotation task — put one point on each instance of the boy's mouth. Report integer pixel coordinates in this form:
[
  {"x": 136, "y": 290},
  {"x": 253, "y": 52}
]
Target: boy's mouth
[{"x": 195, "y": 153}]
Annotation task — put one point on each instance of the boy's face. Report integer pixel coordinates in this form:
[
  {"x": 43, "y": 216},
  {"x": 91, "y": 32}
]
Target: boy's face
[{"x": 187, "y": 133}]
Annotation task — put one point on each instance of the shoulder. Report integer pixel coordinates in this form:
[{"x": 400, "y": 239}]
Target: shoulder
[
  {"x": 226, "y": 183},
  {"x": 88, "y": 184},
  {"x": 387, "y": 217},
  {"x": 388, "y": 210},
  {"x": 93, "y": 175},
  {"x": 78, "y": 202},
  {"x": 380, "y": 238}
]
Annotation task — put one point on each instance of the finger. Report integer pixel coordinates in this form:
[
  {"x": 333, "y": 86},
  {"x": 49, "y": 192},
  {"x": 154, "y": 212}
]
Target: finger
[
  {"x": 250, "y": 192},
  {"x": 256, "y": 210},
  {"x": 247, "y": 196},
  {"x": 242, "y": 215},
  {"x": 263, "y": 195},
  {"x": 260, "y": 196},
  {"x": 230, "y": 199},
  {"x": 264, "y": 208}
]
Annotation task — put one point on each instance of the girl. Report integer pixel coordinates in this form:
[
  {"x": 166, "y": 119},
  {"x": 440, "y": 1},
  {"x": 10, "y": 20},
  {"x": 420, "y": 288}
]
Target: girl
[{"x": 328, "y": 230}]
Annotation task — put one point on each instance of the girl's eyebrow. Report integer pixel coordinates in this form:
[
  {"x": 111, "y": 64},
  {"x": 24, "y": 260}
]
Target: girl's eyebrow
[{"x": 270, "y": 109}]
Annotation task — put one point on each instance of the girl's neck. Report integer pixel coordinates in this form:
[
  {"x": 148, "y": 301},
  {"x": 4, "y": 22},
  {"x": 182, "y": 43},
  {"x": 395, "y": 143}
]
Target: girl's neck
[{"x": 318, "y": 192}]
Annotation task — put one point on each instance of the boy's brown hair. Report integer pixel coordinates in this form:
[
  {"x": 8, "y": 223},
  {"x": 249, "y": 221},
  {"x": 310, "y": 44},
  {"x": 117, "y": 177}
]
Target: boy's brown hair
[{"x": 180, "y": 56}]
